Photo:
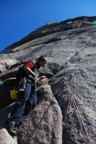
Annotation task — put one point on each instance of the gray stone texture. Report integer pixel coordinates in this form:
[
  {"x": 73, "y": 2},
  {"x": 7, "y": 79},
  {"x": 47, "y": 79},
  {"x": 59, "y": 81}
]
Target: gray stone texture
[{"x": 71, "y": 73}]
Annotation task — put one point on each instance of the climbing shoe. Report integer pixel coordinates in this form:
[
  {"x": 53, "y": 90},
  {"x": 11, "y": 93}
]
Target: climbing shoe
[{"x": 12, "y": 128}]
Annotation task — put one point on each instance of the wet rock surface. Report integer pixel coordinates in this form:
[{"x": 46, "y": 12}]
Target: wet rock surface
[{"x": 67, "y": 114}]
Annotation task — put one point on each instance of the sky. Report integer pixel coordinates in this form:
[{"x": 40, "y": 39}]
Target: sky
[{"x": 18, "y": 18}]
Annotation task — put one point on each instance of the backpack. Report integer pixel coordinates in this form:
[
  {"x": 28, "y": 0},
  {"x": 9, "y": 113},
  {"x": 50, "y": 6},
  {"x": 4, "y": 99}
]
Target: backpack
[{"x": 21, "y": 73}]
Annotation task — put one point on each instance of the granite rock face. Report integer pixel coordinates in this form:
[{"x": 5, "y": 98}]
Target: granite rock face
[
  {"x": 66, "y": 112},
  {"x": 5, "y": 137},
  {"x": 44, "y": 125}
]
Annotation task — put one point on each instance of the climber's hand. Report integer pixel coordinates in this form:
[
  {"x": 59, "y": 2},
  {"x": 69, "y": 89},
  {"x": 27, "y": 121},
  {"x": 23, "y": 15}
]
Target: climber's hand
[{"x": 41, "y": 77}]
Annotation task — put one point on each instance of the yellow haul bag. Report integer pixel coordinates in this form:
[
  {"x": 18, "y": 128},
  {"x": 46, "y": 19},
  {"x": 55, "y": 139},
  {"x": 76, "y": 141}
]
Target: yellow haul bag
[{"x": 14, "y": 94}]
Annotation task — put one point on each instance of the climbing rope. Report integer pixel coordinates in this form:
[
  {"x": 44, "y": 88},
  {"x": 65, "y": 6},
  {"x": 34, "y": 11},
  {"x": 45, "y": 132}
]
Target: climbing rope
[{"x": 72, "y": 103}]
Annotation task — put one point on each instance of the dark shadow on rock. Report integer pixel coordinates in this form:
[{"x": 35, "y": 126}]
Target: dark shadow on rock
[
  {"x": 8, "y": 74},
  {"x": 53, "y": 40},
  {"x": 5, "y": 88},
  {"x": 4, "y": 113}
]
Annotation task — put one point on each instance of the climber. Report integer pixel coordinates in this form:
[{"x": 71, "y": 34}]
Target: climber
[{"x": 26, "y": 76}]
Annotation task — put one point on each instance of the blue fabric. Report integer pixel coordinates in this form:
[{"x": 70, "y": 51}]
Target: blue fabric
[{"x": 28, "y": 99}]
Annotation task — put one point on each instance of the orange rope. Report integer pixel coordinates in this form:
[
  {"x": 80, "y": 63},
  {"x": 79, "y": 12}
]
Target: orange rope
[
  {"x": 81, "y": 126},
  {"x": 72, "y": 103}
]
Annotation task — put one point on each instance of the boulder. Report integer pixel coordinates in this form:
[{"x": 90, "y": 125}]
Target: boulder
[
  {"x": 6, "y": 64},
  {"x": 6, "y": 138},
  {"x": 44, "y": 125}
]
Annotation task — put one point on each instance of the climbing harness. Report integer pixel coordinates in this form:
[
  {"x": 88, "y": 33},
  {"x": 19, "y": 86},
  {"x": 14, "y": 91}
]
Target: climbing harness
[{"x": 73, "y": 103}]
